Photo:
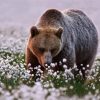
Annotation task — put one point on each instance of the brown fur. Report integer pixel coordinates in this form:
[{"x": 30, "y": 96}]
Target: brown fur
[{"x": 68, "y": 34}]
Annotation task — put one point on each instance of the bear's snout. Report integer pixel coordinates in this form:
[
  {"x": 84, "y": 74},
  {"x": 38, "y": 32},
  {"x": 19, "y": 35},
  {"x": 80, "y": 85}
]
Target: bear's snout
[{"x": 46, "y": 58}]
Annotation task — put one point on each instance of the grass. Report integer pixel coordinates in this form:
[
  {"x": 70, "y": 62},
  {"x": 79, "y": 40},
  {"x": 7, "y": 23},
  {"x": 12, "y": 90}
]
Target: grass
[
  {"x": 13, "y": 74},
  {"x": 13, "y": 79}
]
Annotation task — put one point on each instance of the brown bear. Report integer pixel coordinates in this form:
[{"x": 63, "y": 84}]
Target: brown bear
[{"x": 66, "y": 34}]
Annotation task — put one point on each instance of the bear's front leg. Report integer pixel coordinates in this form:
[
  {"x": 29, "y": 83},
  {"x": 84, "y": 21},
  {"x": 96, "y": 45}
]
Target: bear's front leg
[
  {"x": 70, "y": 59},
  {"x": 31, "y": 63},
  {"x": 30, "y": 59}
]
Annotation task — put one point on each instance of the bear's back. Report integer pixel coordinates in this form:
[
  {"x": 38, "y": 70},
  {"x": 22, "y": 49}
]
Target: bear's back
[
  {"x": 80, "y": 21},
  {"x": 84, "y": 31}
]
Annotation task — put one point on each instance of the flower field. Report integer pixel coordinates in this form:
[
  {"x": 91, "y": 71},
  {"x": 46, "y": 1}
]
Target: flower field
[{"x": 17, "y": 84}]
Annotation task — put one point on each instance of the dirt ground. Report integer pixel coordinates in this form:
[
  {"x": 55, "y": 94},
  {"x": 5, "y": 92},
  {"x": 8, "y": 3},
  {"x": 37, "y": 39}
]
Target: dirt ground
[{"x": 24, "y": 13}]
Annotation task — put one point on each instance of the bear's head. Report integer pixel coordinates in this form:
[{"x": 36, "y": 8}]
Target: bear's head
[{"x": 45, "y": 43}]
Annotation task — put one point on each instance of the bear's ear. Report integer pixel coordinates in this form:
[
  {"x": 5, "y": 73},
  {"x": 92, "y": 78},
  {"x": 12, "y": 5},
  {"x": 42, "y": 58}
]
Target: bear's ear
[
  {"x": 34, "y": 31},
  {"x": 59, "y": 32}
]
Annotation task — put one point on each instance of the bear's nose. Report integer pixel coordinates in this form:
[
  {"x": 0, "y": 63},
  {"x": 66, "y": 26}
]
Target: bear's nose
[{"x": 48, "y": 60}]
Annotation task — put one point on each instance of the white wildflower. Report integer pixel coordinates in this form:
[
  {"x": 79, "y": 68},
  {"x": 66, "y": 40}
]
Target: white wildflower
[
  {"x": 52, "y": 65},
  {"x": 64, "y": 60},
  {"x": 71, "y": 87},
  {"x": 65, "y": 66},
  {"x": 55, "y": 74}
]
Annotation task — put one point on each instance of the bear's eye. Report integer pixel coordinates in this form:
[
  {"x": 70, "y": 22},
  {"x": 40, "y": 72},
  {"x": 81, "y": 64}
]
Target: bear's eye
[{"x": 41, "y": 49}]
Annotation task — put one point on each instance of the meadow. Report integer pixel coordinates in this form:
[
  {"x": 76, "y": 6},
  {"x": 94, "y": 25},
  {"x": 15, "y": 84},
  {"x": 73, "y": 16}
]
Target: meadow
[{"x": 16, "y": 83}]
